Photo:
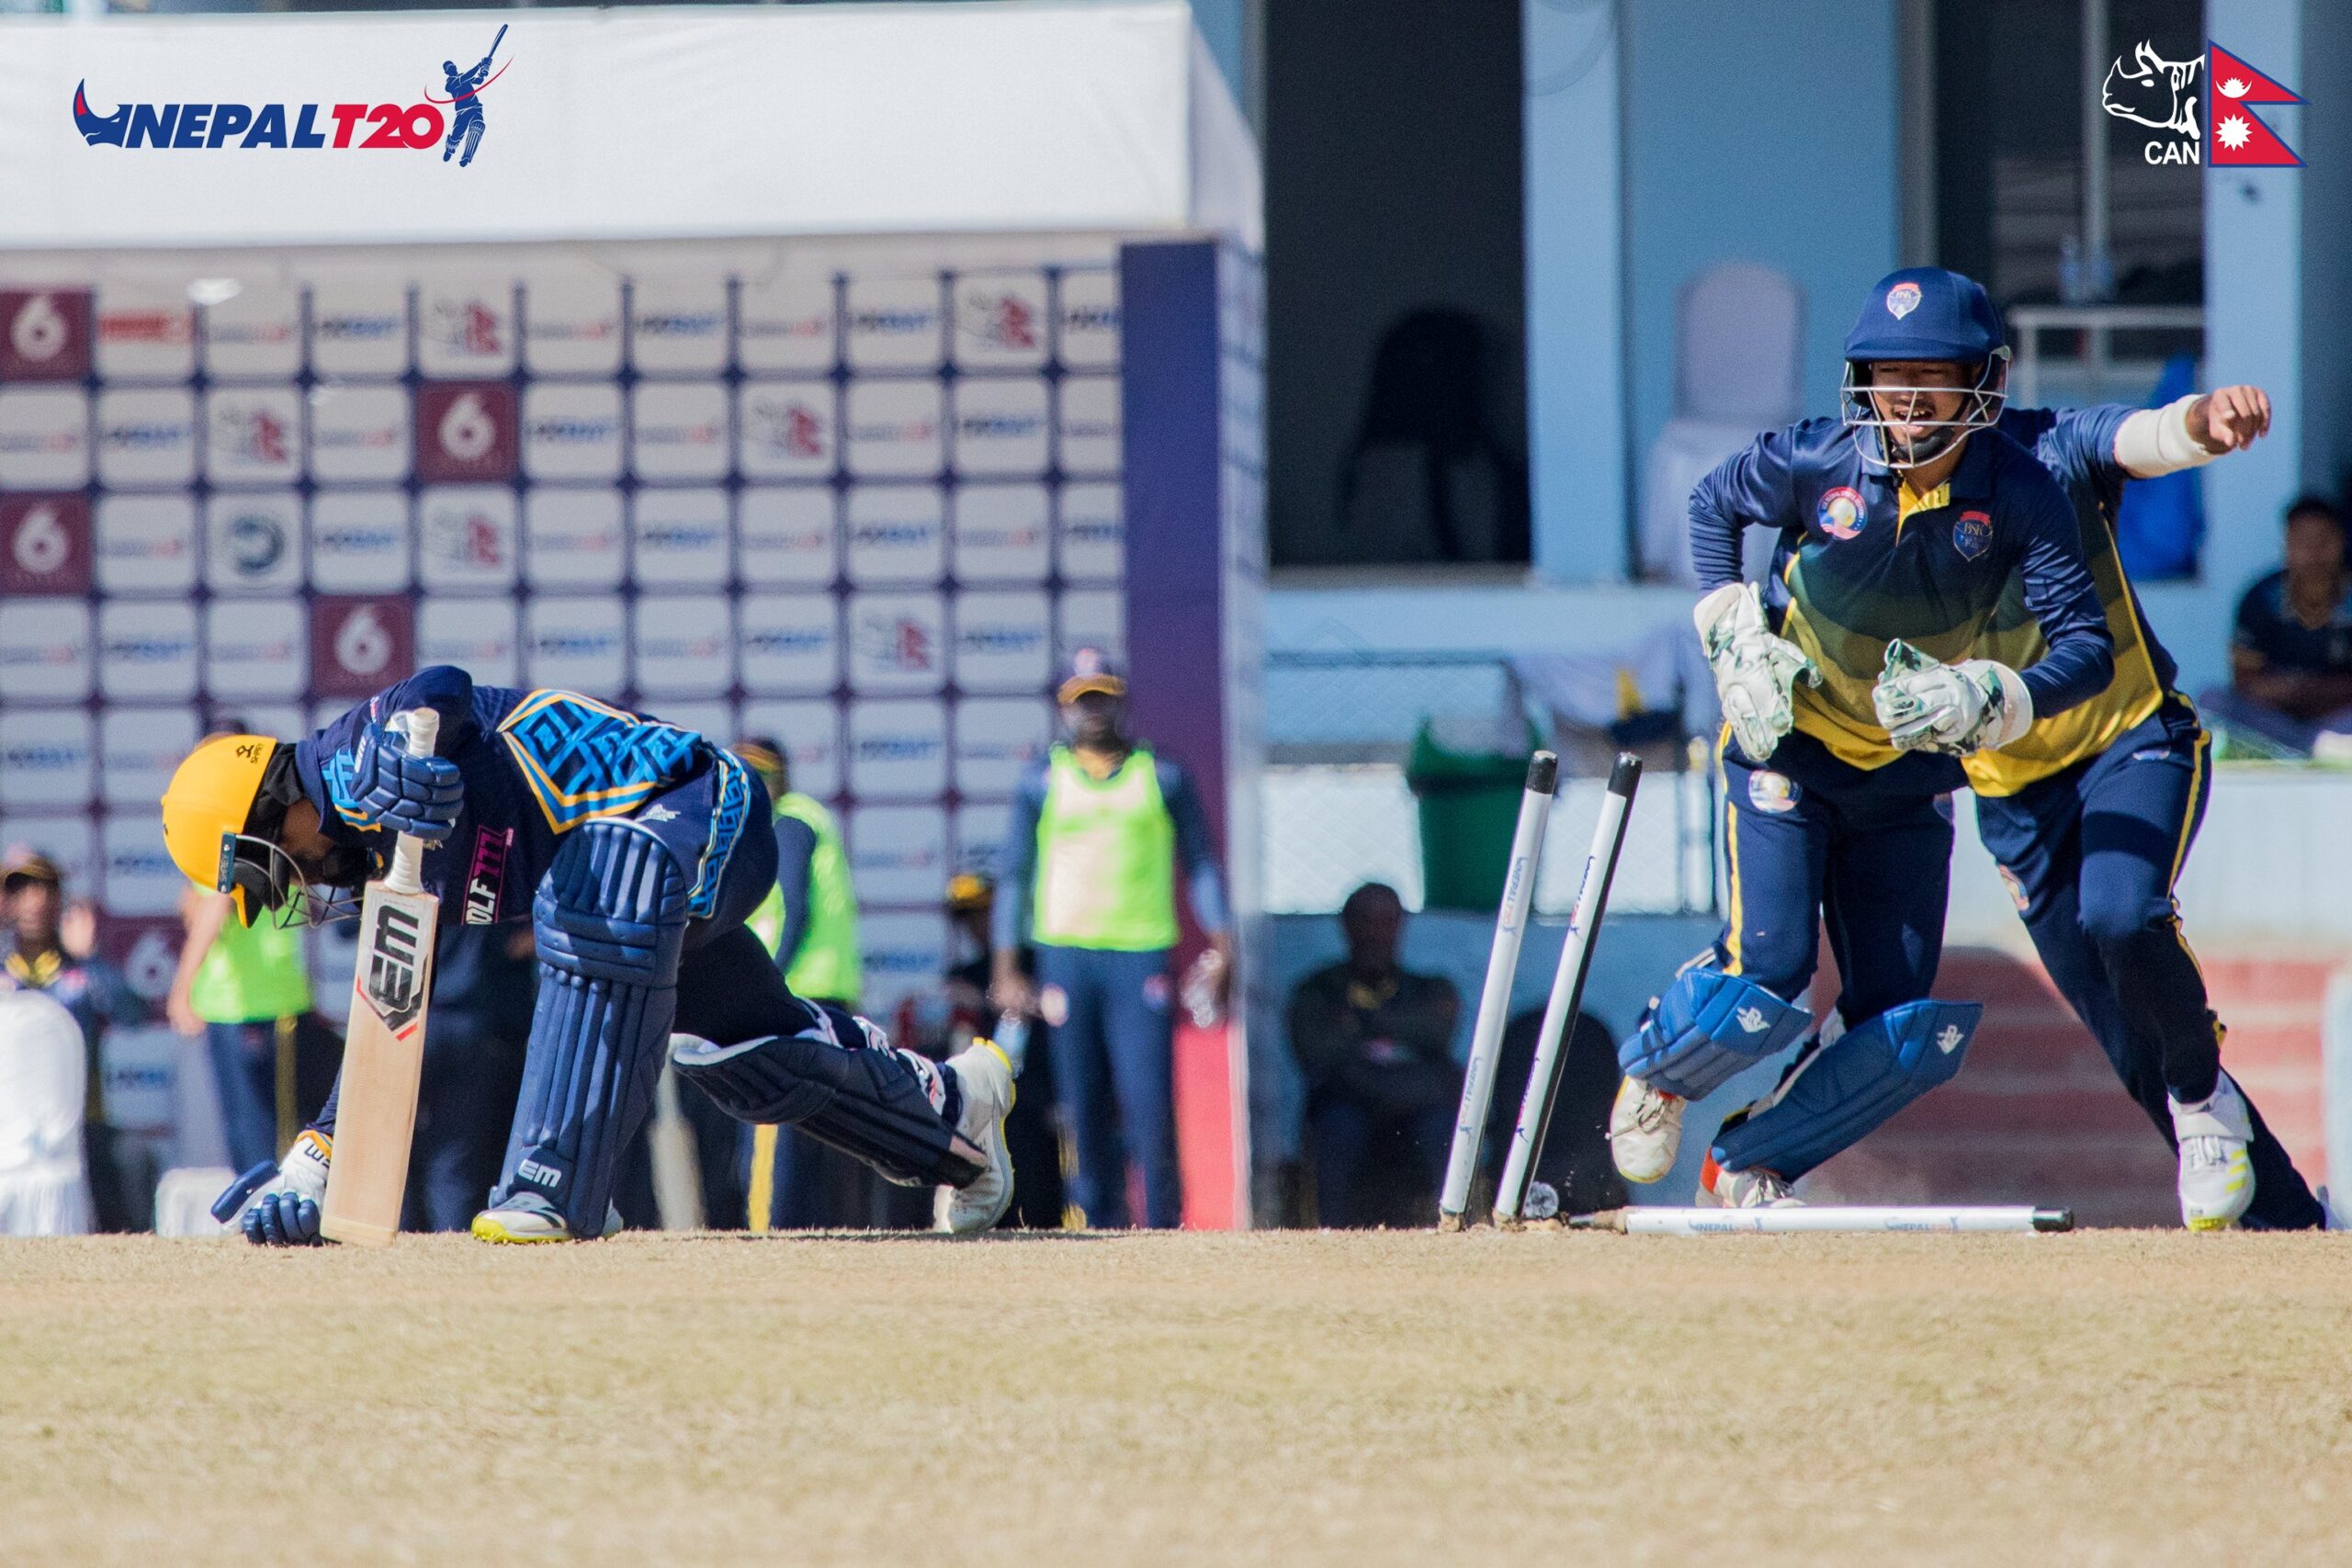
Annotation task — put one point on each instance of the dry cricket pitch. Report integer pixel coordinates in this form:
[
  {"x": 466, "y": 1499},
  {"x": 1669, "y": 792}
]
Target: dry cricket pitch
[{"x": 2121, "y": 1397}]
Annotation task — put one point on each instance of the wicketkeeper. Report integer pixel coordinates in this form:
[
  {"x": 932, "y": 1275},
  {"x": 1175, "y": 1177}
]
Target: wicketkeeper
[
  {"x": 624, "y": 842},
  {"x": 1905, "y": 528}
]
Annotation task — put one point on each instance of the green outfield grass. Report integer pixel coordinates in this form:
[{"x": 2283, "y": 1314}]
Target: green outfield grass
[{"x": 2102, "y": 1397}]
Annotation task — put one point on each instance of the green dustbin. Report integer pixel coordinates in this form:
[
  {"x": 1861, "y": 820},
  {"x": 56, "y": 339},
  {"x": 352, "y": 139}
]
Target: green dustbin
[{"x": 1469, "y": 808}]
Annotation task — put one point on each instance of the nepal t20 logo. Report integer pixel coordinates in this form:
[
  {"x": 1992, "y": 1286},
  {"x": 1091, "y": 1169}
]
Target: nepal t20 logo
[{"x": 197, "y": 125}]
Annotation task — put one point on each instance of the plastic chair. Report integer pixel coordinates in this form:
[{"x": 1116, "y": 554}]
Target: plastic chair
[{"x": 1739, "y": 348}]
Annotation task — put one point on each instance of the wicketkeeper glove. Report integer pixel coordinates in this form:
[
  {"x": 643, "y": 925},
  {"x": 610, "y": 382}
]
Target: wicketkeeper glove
[
  {"x": 1755, "y": 671},
  {"x": 1926, "y": 705}
]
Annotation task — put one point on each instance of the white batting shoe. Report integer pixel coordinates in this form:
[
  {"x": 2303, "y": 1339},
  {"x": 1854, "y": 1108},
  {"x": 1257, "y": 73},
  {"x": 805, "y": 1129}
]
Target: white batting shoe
[
  {"x": 2216, "y": 1174},
  {"x": 1746, "y": 1189},
  {"x": 1645, "y": 1130},
  {"x": 985, "y": 1073}
]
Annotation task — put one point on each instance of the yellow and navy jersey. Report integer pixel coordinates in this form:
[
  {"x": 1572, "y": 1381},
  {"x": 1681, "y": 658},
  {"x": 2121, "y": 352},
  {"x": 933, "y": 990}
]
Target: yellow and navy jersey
[
  {"x": 2078, "y": 446},
  {"x": 535, "y": 765},
  {"x": 1862, "y": 561}
]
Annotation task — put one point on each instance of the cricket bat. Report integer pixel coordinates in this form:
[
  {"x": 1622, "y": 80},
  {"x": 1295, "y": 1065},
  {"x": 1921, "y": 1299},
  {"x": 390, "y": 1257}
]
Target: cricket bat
[{"x": 383, "y": 1048}]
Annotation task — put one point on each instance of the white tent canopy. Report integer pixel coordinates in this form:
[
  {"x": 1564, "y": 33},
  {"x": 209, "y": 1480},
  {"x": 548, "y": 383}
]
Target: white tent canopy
[{"x": 624, "y": 125}]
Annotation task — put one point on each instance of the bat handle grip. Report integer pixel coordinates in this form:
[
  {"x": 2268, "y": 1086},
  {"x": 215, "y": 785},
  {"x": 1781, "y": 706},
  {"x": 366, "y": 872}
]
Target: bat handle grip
[{"x": 423, "y": 728}]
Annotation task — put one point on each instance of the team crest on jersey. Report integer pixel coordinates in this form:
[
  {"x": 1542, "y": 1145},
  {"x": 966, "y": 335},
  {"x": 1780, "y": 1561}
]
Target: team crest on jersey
[
  {"x": 1775, "y": 794},
  {"x": 1972, "y": 534},
  {"x": 1843, "y": 512},
  {"x": 1902, "y": 299},
  {"x": 2016, "y": 889}
]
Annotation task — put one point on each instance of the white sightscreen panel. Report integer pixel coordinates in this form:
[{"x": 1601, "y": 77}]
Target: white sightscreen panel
[{"x": 869, "y": 121}]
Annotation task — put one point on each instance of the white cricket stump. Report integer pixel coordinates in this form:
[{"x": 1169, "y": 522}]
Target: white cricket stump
[
  {"x": 1494, "y": 999},
  {"x": 1826, "y": 1219}
]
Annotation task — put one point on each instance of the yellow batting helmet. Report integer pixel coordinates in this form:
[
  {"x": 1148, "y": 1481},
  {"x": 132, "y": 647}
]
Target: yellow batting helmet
[{"x": 208, "y": 804}]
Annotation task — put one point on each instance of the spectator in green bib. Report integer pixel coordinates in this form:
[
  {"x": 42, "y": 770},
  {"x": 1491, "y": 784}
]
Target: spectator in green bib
[
  {"x": 1087, "y": 877},
  {"x": 810, "y": 924},
  {"x": 244, "y": 988}
]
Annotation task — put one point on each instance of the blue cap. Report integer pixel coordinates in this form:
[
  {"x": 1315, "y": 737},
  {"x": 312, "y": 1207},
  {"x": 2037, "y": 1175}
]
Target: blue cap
[
  {"x": 1091, "y": 670},
  {"x": 1926, "y": 312}
]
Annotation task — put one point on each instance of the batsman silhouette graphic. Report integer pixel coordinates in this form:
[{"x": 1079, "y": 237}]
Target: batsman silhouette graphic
[{"x": 466, "y": 118}]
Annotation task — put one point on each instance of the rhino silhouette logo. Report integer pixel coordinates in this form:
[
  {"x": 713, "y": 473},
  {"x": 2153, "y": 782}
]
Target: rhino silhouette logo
[
  {"x": 2155, "y": 92},
  {"x": 99, "y": 130}
]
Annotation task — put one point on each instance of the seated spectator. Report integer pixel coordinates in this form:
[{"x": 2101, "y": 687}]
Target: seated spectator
[
  {"x": 39, "y": 957},
  {"x": 2291, "y": 659},
  {"x": 1375, "y": 1045}
]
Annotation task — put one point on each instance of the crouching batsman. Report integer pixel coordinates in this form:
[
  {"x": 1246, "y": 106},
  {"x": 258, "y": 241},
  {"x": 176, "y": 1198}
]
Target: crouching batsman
[
  {"x": 636, "y": 850},
  {"x": 1901, "y": 526}
]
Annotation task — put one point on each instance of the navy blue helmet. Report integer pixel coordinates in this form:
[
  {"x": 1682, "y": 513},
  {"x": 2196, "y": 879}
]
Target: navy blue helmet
[{"x": 1922, "y": 313}]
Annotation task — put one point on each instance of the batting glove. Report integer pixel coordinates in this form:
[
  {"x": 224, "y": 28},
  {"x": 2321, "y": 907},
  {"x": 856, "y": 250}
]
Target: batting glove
[
  {"x": 285, "y": 1210},
  {"x": 408, "y": 794}
]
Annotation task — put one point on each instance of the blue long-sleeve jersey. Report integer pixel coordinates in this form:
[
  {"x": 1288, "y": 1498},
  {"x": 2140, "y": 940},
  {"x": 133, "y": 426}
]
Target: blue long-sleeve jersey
[
  {"x": 1017, "y": 859},
  {"x": 534, "y": 764},
  {"x": 2078, "y": 446},
  {"x": 1862, "y": 561}
]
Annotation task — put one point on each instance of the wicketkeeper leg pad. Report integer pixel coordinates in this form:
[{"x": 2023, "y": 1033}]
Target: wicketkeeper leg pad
[
  {"x": 1842, "y": 1092},
  {"x": 610, "y": 917},
  {"x": 1706, "y": 1030},
  {"x": 841, "y": 1082}
]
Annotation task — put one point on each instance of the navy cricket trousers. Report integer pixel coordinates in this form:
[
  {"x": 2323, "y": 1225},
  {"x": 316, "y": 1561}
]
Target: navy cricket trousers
[
  {"x": 2091, "y": 854},
  {"x": 1113, "y": 1043},
  {"x": 1813, "y": 842}
]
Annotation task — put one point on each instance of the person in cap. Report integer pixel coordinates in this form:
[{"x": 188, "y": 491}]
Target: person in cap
[
  {"x": 623, "y": 840},
  {"x": 1100, "y": 828},
  {"x": 2091, "y": 813},
  {"x": 1907, "y": 527},
  {"x": 40, "y": 955}
]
